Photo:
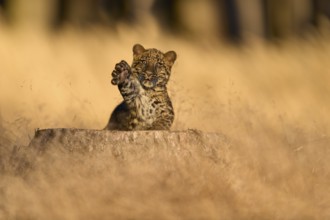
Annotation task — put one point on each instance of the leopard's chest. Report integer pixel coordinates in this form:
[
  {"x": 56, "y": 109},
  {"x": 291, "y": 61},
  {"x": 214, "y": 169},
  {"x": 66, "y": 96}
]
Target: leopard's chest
[{"x": 146, "y": 109}]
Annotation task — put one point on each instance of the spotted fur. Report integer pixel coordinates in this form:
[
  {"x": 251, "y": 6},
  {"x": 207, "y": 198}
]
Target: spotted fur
[{"x": 146, "y": 104}]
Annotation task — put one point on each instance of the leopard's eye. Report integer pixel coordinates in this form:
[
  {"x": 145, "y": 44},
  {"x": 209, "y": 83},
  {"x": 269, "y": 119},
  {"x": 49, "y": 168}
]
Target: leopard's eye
[{"x": 144, "y": 61}]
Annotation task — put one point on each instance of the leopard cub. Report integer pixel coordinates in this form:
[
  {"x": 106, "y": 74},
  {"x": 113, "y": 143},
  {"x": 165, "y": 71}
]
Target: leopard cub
[{"x": 146, "y": 104}]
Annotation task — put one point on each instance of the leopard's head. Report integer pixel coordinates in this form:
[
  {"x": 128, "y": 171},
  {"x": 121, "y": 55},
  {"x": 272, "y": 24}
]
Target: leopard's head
[{"x": 153, "y": 68}]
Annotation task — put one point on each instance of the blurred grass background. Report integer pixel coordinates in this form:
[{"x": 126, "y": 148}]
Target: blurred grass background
[{"x": 256, "y": 71}]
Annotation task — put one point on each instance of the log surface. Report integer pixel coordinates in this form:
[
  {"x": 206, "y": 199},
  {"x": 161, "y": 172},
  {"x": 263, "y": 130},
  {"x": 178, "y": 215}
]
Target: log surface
[
  {"x": 86, "y": 140},
  {"x": 71, "y": 144}
]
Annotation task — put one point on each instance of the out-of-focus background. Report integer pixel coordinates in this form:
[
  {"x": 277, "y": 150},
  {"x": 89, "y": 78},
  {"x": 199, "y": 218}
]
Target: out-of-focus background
[
  {"x": 256, "y": 71},
  {"x": 233, "y": 20}
]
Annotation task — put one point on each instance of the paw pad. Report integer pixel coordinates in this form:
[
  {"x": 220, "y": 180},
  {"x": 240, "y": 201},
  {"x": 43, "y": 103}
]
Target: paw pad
[{"x": 121, "y": 73}]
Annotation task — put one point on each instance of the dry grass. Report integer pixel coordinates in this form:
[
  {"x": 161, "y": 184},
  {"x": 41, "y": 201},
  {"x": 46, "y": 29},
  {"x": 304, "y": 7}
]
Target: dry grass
[{"x": 271, "y": 101}]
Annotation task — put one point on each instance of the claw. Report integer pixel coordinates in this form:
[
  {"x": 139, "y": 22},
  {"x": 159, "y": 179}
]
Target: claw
[
  {"x": 114, "y": 82},
  {"x": 118, "y": 67}
]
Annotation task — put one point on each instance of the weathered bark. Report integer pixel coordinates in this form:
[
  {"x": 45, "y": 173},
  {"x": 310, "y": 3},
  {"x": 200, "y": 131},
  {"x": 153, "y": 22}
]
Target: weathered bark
[
  {"x": 84, "y": 140},
  {"x": 59, "y": 144}
]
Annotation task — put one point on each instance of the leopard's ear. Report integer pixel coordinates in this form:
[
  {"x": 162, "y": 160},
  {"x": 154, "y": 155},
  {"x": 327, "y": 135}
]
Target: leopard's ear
[
  {"x": 138, "y": 49},
  {"x": 170, "y": 56}
]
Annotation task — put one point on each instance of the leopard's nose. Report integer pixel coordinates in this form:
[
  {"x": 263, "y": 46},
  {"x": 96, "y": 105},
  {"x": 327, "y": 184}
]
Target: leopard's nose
[{"x": 150, "y": 68}]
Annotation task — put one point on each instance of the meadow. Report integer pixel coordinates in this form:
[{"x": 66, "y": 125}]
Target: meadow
[{"x": 270, "y": 100}]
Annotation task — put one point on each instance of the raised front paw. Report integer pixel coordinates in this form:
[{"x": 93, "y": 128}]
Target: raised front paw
[{"x": 121, "y": 73}]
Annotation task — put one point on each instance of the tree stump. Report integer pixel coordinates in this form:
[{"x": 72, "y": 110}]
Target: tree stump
[{"x": 61, "y": 143}]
